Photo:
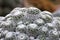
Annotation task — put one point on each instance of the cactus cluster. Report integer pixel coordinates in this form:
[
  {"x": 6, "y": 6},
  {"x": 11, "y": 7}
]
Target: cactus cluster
[{"x": 29, "y": 24}]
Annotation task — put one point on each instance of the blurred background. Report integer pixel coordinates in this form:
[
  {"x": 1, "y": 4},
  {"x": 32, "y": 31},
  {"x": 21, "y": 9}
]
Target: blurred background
[{"x": 6, "y": 6}]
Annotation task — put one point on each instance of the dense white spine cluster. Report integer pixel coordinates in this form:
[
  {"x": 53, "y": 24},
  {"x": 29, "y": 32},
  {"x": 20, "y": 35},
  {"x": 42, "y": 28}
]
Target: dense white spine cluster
[{"x": 29, "y": 24}]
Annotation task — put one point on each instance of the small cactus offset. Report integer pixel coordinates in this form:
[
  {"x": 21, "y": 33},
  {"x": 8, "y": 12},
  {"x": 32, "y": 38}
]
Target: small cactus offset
[{"x": 29, "y": 24}]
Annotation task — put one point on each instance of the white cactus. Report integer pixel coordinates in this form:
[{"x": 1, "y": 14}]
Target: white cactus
[{"x": 29, "y": 24}]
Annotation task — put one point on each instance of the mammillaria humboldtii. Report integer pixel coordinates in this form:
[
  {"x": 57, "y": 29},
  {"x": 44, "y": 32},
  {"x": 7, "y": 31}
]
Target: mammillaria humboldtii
[{"x": 29, "y": 24}]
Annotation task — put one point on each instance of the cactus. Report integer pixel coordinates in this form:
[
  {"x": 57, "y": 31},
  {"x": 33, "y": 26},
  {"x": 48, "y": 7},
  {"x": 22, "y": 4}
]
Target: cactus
[{"x": 29, "y": 24}]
